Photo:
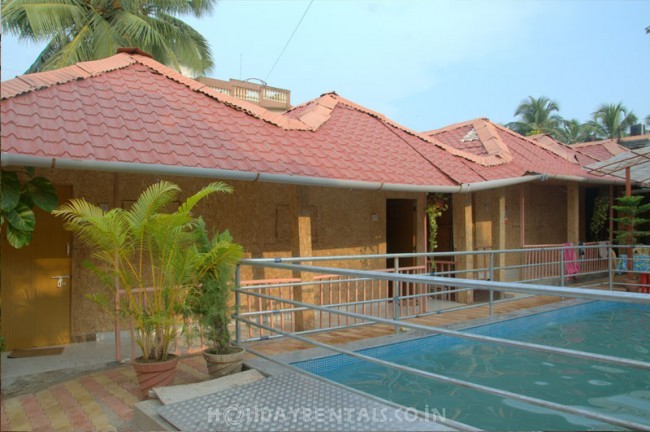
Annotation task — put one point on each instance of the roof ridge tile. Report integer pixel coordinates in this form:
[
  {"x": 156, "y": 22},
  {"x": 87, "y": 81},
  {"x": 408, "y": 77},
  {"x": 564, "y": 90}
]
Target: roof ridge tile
[
  {"x": 450, "y": 127},
  {"x": 491, "y": 141},
  {"x": 565, "y": 154},
  {"x": 498, "y": 153},
  {"x": 82, "y": 70}
]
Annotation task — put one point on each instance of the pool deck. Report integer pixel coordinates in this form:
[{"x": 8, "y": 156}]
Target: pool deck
[{"x": 104, "y": 399}]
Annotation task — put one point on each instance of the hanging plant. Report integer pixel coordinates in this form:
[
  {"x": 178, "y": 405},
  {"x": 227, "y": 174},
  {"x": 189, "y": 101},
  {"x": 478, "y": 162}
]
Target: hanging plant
[
  {"x": 18, "y": 197},
  {"x": 435, "y": 208},
  {"x": 599, "y": 216}
]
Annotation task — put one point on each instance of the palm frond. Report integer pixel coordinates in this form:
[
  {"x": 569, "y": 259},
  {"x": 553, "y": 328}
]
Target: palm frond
[
  {"x": 78, "y": 49},
  {"x": 80, "y": 30},
  {"x": 40, "y": 20},
  {"x": 144, "y": 32},
  {"x": 189, "y": 46},
  {"x": 105, "y": 41},
  {"x": 191, "y": 201},
  {"x": 50, "y": 50},
  {"x": 613, "y": 120},
  {"x": 151, "y": 201}
]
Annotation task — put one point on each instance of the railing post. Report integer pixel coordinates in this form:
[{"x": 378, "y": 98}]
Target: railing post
[
  {"x": 397, "y": 286},
  {"x": 118, "y": 330},
  {"x": 562, "y": 266},
  {"x": 237, "y": 304},
  {"x": 610, "y": 271},
  {"x": 492, "y": 279}
]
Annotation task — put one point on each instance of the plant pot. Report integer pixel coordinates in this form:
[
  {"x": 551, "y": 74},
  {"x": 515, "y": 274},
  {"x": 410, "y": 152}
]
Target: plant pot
[
  {"x": 224, "y": 364},
  {"x": 154, "y": 374}
]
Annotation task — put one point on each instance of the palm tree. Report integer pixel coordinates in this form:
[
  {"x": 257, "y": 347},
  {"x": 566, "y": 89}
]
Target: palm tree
[
  {"x": 611, "y": 121},
  {"x": 537, "y": 116},
  {"x": 572, "y": 131},
  {"x": 82, "y": 30}
]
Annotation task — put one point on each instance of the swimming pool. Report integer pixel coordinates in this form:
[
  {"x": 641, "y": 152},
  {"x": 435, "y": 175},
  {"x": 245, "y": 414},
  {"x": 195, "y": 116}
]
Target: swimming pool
[{"x": 610, "y": 328}]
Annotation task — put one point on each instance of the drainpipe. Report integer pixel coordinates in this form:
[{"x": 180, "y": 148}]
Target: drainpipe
[
  {"x": 581, "y": 179},
  {"x": 7, "y": 159}
]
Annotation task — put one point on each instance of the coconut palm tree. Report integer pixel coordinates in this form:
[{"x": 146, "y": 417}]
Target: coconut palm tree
[
  {"x": 537, "y": 116},
  {"x": 611, "y": 121},
  {"x": 572, "y": 131},
  {"x": 81, "y": 30}
]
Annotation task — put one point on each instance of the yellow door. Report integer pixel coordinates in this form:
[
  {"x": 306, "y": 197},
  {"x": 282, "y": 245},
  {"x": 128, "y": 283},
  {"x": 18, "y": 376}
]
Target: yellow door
[{"x": 36, "y": 284}]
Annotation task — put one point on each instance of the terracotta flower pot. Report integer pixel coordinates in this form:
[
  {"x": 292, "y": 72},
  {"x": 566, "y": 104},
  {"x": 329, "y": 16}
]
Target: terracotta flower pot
[
  {"x": 154, "y": 374},
  {"x": 224, "y": 364}
]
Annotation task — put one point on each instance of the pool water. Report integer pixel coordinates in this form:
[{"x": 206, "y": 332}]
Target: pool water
[{"x": 618, "y": 329}]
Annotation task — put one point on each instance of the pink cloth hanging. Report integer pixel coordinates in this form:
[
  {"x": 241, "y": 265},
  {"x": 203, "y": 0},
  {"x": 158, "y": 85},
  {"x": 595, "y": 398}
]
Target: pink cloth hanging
[{"x": 571, "y": 266}]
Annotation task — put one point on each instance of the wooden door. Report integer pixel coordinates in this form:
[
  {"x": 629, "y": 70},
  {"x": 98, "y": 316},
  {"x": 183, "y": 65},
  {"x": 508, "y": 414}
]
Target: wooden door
[
  {"x": 400, "y": 233},
  {"x": 400, "y": 229},
  {"x": 35, "y": 304}
]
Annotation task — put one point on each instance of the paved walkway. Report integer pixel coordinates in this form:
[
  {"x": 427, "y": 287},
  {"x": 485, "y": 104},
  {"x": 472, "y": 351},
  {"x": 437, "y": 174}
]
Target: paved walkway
[{"x": 99, "y": 401}]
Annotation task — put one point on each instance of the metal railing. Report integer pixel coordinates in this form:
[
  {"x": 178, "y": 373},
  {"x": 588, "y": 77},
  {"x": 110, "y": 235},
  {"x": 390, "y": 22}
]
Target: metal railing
[
  {"x": 384, "y": 298},
  {"x": 398, "y": 279},
  {"x": 550, "y": 260},
  {"x": 376, "y": 297}
]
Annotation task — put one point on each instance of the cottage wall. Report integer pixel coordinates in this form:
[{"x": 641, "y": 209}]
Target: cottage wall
[
  {"x": 258, "y": 215},
  {"x": 492, "y": 220},
  {"x": 263, "y": 217}
]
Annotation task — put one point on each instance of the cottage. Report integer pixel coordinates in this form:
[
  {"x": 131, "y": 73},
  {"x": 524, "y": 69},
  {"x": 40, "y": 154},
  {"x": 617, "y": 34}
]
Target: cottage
[{"x": 328, "y": 177}]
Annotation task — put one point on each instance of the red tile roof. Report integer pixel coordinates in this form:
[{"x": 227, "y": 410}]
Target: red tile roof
[
  {"x": 502, "y": 153},
  {"x": 131, "y": 114},
  {"x": 567, "y": 151},
  {"x": 599, "y": 150},
  {"x": 131, "y": 109}
]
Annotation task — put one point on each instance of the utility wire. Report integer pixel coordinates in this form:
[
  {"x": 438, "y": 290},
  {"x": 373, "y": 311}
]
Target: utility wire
[{"x": 289, "y": 41}]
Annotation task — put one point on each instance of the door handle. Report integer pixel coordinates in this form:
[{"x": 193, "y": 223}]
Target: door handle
[{"x": 60, "y": 283}]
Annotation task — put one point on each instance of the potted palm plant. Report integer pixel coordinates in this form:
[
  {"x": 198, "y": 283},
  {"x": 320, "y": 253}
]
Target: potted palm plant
[
  {"x": 210, "y": 301},
  {"x": 152, "y": 259}
]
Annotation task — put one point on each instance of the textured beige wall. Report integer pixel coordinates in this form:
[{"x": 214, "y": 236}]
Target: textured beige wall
[
  {"x": 546, "y": 214},
  {"x": 343, "y": 222},
  {"x": 546, "y": 220},
  {"x": 259, "y": 216}
]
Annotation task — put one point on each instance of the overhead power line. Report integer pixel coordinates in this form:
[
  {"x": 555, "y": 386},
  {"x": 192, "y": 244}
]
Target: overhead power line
[{"x": 289, "y": 40}]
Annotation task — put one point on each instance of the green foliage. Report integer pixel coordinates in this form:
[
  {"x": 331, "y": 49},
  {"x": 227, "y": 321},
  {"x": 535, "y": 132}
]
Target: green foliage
[
  {"x": 209, "y": 301},
  {"x": 89, "y": 30},
  {"x": 540, "y": 116},
  {"x": 153, "y": 256},
  {"x": 630, "y": 209},
  {"x": 537, "y": 116},
  {"x": 17, "y": 201},
  {"x": 434, "y": 210},
  {"x": 572, "y": 131},
  {"x": 611, "y": 121},
  {"x": 599, "y": 216}
]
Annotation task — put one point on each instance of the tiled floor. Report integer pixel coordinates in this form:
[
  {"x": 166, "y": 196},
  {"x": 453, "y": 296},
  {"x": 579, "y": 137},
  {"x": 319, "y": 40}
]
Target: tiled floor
[
  {"x": 103, "y": 400},
  {"x": 99, "y": 401}
]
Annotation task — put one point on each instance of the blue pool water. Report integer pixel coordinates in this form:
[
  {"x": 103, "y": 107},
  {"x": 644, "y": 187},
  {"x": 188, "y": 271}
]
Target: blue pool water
[{"x": 617, "y": 329}]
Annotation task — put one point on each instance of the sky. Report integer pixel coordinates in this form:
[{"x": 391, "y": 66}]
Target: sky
[{"x": 425, "y": 63}]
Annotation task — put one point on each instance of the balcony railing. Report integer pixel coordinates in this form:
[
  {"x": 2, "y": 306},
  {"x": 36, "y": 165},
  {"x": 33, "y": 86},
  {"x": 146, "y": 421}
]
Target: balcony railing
[{"x": 271, "y": 98}]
